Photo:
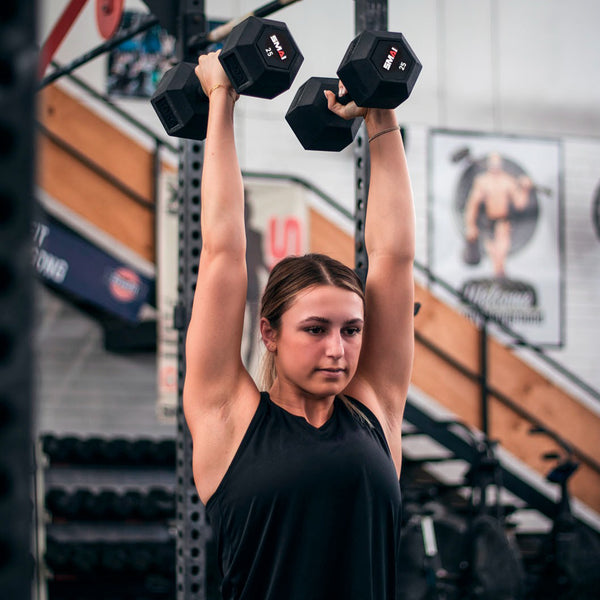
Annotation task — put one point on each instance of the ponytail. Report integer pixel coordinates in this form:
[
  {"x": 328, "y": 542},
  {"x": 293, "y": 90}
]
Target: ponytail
[{"x": 266, "y": 371}]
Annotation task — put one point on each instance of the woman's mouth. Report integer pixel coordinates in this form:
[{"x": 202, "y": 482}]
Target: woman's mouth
[{"x": 332, "y": 371}]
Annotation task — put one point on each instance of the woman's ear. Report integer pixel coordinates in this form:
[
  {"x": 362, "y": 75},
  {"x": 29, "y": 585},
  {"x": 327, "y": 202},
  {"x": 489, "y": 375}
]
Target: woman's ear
[{"x": 268, "y": 335}]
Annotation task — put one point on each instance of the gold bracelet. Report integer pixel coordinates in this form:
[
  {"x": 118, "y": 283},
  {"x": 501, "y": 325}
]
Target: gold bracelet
[
  {"x": 397, "y": 128},
  {"x": 220, "y": 85}
]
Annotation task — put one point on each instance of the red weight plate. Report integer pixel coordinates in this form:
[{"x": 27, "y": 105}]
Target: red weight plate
[{"x": 108, "y": 16}]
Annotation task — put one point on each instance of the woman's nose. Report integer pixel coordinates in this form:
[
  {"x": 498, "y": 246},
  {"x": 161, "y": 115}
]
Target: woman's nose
[{"x": 335, "y": 346}]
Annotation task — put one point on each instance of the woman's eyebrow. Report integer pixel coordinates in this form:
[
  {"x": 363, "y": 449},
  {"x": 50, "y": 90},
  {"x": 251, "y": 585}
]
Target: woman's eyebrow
[{"x": 315, "y": 319}]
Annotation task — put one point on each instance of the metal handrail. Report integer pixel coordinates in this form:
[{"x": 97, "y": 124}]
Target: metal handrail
[
  {"x": 305, "y": 184},
  {"x": 129, "y": 118},
  {"x": 97, "y": 168}
]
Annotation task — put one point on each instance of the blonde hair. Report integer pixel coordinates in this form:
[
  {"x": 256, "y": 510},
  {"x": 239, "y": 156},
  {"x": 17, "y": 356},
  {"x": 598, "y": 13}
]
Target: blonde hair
[{"x": 287, "y": 279}]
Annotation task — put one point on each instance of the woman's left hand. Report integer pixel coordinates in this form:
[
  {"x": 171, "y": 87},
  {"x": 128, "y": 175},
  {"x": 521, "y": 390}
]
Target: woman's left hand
[{"x": 346, "y": 111}]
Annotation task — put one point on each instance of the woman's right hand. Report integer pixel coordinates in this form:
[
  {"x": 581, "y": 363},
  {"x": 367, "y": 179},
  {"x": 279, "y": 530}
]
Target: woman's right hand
[{"x": 211, "y": 75}]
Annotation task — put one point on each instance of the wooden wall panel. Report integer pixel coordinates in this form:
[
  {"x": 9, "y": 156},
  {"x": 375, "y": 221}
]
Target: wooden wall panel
[
  {"x": 97, "y": 138},
  {"x": 453, "y": 390},
  {"x": 79, "y": 188},
  {"x": 326, "y": 238},
  {"x": 545, "y": 401},
  {"x": 93, "y": 198},
  {"x": 453, "y": 332}
]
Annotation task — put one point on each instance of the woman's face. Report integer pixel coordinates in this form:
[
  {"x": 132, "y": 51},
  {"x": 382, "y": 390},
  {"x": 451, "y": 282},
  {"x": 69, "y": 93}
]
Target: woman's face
[{"x": 319, "y": 341}]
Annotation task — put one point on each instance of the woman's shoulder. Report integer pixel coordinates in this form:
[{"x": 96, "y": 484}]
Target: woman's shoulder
[
  {"x": 217, "y": 435},
  {"x": 363, "y": 413}
]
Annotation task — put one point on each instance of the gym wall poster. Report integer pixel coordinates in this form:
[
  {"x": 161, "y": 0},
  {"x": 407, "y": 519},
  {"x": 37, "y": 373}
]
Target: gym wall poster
[
  {"x": 277, "y": 225},
  {"x": 496, "y": 227},
  {"x": 135, "y": 67}
]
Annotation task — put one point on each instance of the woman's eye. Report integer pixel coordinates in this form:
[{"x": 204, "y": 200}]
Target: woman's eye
[
  {"x": 353, "y": 331},
  {"x": 314, "y": 330}
]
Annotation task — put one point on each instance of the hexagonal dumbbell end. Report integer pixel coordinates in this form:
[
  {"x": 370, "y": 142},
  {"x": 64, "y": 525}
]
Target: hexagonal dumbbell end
[
  {"x": 379, "y": 69},
  {"x": 261, "y": 58},
  {"x": 180, "y": 103},
  {"x": 315, "y": 126}
]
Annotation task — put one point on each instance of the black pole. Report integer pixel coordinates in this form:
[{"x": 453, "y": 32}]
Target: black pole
[
  {"x": 17, "y": 373},
  {"x": 369, "y": 14},
  {"x": 115, "y": 41},
  {"x": 193, "y": 532}
]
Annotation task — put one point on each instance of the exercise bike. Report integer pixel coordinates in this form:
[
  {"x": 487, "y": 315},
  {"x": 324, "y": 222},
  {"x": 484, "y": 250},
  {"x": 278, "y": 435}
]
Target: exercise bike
[
  {"x": 466, "y": 554},
  {"x": 569, "y": 555}
]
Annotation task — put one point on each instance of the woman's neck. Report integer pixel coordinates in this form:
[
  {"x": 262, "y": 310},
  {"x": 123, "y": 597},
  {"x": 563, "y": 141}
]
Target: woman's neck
[{"x": 316, "y": 410}]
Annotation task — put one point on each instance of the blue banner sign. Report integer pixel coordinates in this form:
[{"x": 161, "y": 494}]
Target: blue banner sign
[{"x": 68, "y": 261}]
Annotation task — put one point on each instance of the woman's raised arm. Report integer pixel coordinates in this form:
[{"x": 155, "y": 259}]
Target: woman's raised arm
[
  {"x": 386, "y": 358},
  {"x": 388, "y": 344},
  {"x": 214, "y": 369}
]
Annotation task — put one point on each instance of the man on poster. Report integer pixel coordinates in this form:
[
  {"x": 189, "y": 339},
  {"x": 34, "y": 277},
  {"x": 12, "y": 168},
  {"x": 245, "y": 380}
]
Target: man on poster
[
  {"x": 497, "y": 193},
  {"x": 497, "y": 203}
]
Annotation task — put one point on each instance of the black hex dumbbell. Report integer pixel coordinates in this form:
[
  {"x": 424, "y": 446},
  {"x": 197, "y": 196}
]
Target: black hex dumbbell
[
  {"x": 379, "y": 70},
  {"x": 260, "y": 58}
]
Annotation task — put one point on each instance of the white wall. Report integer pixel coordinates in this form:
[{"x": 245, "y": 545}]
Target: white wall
[
  {"x": 505, "y": 66},
  {"x": 582, "y": 261}
]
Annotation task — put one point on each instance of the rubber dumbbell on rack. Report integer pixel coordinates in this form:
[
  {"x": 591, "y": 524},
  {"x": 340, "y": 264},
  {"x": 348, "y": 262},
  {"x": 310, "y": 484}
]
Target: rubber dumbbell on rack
[
  {"x": 260, "y": 58},
  {"x": 379, "y": 70}
]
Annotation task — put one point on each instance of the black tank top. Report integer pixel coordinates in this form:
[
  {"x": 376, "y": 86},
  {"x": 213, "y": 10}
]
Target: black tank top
[{"x": 306, "y": 513}]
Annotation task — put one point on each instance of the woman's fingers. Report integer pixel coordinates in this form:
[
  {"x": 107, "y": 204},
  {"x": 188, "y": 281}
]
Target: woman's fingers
[
  {"x": 331, "y": 100},
  {"x": 345, "y": 111}
]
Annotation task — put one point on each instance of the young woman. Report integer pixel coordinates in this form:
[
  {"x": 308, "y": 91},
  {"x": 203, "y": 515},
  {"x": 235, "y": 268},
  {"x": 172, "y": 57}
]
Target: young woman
[{"x": 300, "y": 481}]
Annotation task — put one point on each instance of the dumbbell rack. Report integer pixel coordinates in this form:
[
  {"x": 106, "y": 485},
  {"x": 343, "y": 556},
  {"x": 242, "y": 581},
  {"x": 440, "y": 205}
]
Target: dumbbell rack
[{"x": 105, "y": 515}]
